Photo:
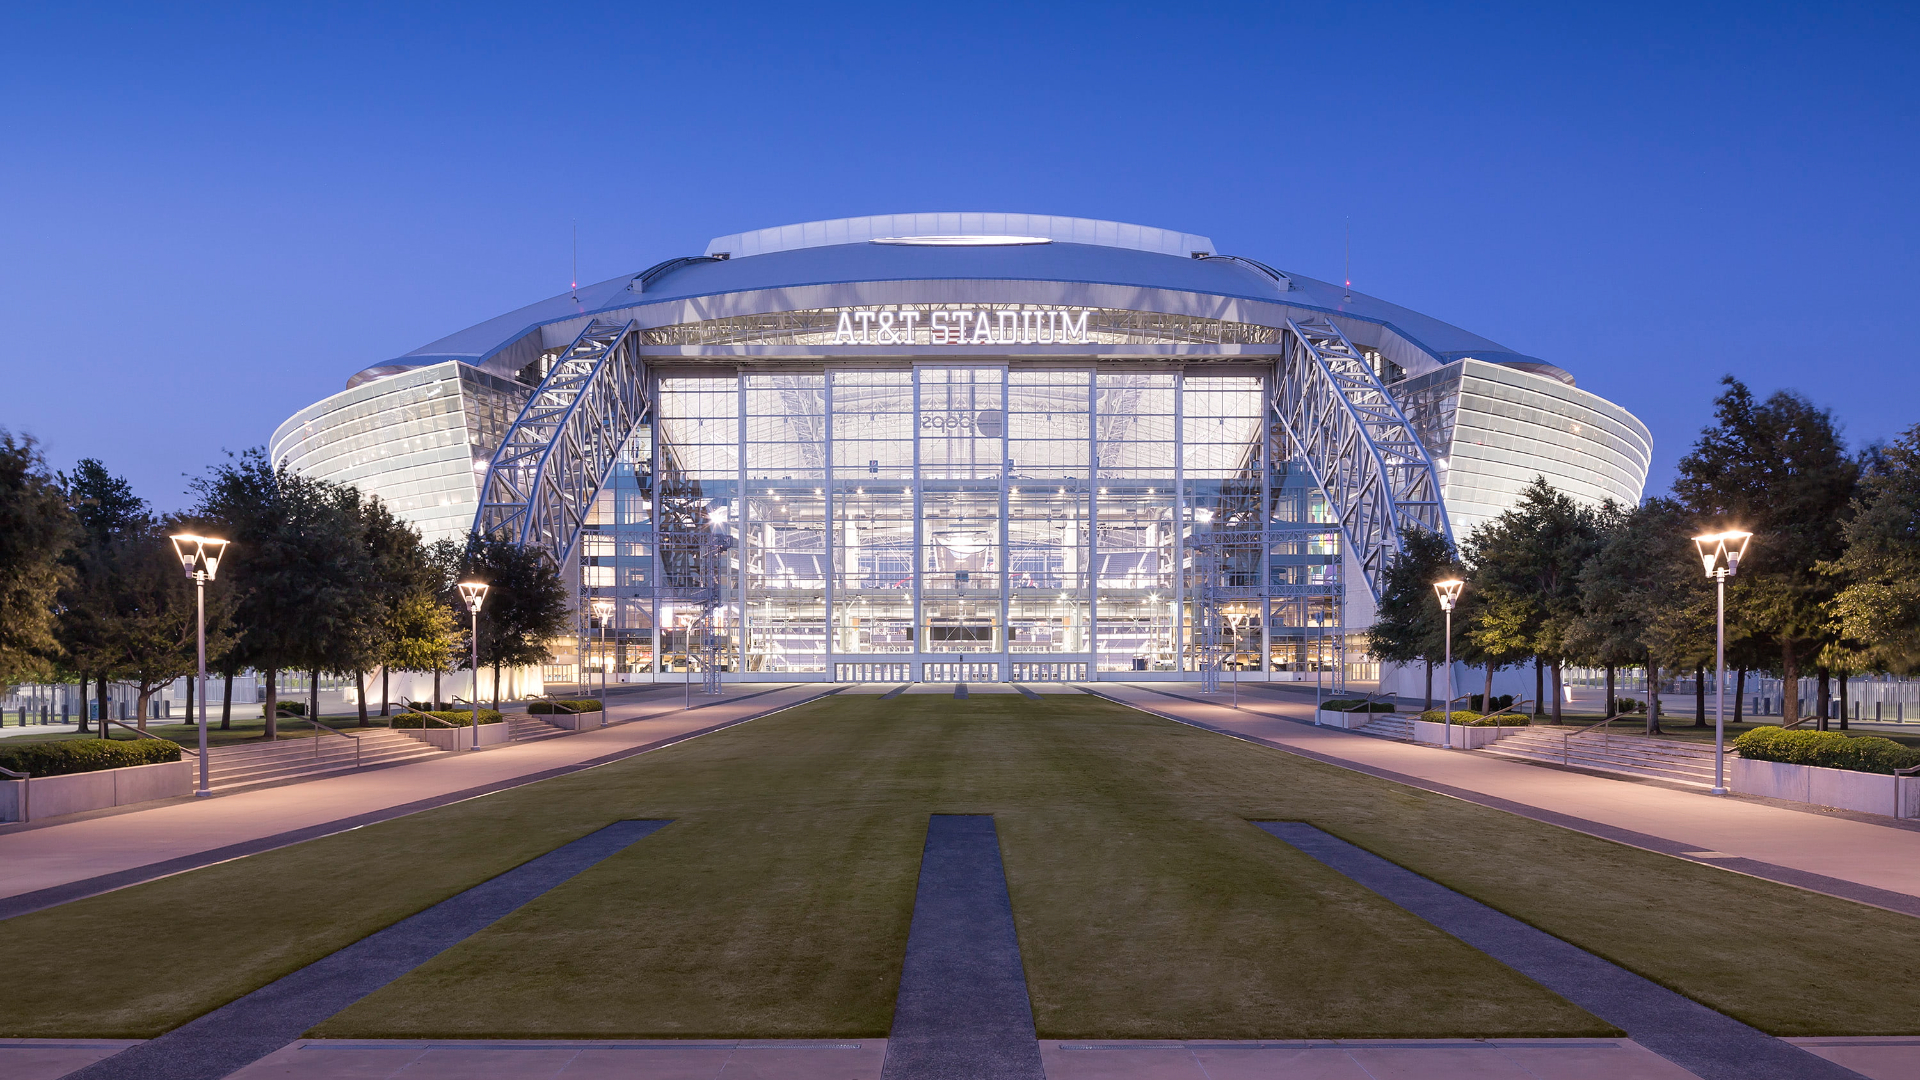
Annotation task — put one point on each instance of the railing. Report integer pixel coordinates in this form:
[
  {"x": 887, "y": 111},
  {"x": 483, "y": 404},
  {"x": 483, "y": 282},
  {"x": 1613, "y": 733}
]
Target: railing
[
  {"x": 149, "y": 735},
  {"x": 1606, "y": 736},
  {"x": 317, "y": 740}
]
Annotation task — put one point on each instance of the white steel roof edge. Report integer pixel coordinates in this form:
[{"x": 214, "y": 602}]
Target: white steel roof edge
[{"x": 860, "y": 230}]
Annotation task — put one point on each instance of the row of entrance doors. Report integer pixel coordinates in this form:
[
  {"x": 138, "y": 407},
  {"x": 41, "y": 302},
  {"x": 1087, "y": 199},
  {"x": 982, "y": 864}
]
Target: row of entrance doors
[{"x": 968, "y": 671}]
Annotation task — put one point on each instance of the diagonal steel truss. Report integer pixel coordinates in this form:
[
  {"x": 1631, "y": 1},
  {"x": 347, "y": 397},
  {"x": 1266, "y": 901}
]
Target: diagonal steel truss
[
  {"x": 1357, "y": 443},
  {"x": 557, "y": 454}
]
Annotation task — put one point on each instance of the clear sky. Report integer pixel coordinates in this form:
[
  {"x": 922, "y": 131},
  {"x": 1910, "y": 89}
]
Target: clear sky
[{"x": 211, "y": 215}]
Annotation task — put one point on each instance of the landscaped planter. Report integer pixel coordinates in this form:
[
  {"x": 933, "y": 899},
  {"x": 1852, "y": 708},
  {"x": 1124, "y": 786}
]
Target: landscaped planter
[
  {"x": 1332, "y": 718},
  {"x": 460, "y": 738},
  {"x": 1872, "y": 793},
  {"x": 1464, "y": 737},
  {"x": 580, "y": 721},
  {"x": 73, "y": 793}
]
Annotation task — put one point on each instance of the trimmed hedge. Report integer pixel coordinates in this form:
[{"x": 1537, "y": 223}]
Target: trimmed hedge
[
  {"x": 461, "y": 718},
  {"x": 283, "y": 707},
  {"x": 1464, "y": 718},
  {"x": 86, "y": 755},
  {"x": 1500, "y": 701},
  {"x": 1826, "y": 749},
  {"x": 1356, "y": 705},
  {"x": 564, "y": 705}
]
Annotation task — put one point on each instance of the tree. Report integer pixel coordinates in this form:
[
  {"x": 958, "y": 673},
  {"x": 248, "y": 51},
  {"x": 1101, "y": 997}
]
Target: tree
[
  {"x": 107, "y": 513},
  {"x": 36, "y": 529},
  {"x": 1778, "y": 469},
  {"x": 1526, "y": 572},
  {"x": 1877, "y": 609},
  {"x": 1641, "y": 595},
  {"x": 1410, "y": 626},
  {"x": 146, "y": 614},
  {"x": 526, "y": 604},
  {"x": 410, "y": 629}
]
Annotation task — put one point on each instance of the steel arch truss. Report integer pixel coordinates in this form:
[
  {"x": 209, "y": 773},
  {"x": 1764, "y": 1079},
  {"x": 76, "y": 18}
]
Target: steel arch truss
[
  {"x": 1357, "y": 443},
  {"x": 564, "y": 444}
]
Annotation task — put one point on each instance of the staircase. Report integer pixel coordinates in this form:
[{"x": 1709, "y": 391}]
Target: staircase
[
  {"x": 1631, "y": 755},
  {"x": 1389, "y": 726},
  {"x": 521, "y": 728},
  {"x": 233, "y": 767}
]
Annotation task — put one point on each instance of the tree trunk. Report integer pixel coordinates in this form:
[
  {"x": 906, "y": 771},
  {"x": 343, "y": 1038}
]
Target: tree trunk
[
  {"x": 1823, "y": 695},
  {"x": 1653, "y": 697},
  {"x": 1843, "y": 698},
  {"x": 1429, "y": 707},
  {"x": 496, "y": 686},
  {"x": 1739, "y": 692},
  {"x": 106, "y": 729},
  {"x": 313, "y": 697},
  {"x": 193, "y": 686},
  {"x": 360, "y": 691},
  {"x": 1700, "y": 695},
  {"x": 1789, "y": 684},
  {"x": 271, "y": 707},
  {"x": 84, "y": 729},
  {"x": 226, "y": 705},
  {"x": 140, "y": 707},
  {"x": 436, "y": 688},
  {"x": 1489, "y": 694},
  {"x": 1611, "y": 700},
  {"x": 1557, "y": 695},
  {"x": 386, "y": 691}
]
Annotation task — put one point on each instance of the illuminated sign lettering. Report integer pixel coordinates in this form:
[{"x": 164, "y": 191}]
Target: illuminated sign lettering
[{"x": 962, "y": 326}]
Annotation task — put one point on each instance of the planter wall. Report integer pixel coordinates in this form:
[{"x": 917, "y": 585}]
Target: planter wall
[
  {"x": 1871, "y": 793},
  {"x": 583, "y": 721},
  {"x": 1330, "y": 718},
  {"x": 460, "y": 738},
  {"x": 51, "y": 796},
  {"x": 1470, "y": 738}
]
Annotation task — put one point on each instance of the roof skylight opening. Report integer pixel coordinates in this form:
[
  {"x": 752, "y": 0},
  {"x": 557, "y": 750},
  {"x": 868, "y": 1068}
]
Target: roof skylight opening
[{"x": 961, "y": 241}]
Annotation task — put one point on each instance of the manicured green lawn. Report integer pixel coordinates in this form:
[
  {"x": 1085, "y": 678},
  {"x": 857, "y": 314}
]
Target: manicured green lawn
[{"x": 777, "y": 903}]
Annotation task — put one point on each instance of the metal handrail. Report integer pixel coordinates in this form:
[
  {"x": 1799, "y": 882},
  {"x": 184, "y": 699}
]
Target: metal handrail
[
  {"x": 1566, "y": 738},
  {"x": 149, "y": 735},
  {"x": 322, "y": 727}
]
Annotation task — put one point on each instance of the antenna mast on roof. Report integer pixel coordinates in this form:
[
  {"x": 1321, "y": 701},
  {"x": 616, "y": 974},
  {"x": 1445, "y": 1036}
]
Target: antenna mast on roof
[
  {"x": 574, "y": 284},
  {"x": 1348, "y": 299}
]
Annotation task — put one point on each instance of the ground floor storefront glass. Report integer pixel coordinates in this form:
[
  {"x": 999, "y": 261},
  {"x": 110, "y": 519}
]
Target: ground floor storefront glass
[{"x": 960, "y": 522}]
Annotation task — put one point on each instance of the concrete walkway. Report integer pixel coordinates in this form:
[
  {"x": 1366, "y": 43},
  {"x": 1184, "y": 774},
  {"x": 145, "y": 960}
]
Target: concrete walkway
[
  {"x": 1738, "y": 832},
  {"x": 61, "y": 861}
]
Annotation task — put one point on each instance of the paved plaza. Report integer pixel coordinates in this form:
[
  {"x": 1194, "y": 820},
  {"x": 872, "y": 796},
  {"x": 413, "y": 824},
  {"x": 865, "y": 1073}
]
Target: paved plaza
[{"x": 962, "y": 1007}]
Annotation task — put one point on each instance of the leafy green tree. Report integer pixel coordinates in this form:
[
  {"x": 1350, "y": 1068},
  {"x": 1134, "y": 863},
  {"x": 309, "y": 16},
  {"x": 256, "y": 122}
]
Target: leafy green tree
[
  {"x": 106, "y": 512},
  {"x": 1526, "y": 572},
  {"x": 1778, "y": 469},
  {"x": 36, "y": 529},
  {"x": 1877, "y": 609},
  {"x": 526, "y": 605},
  {"x": 1640, "y": 600},
  {"x": 409, "y": 627},
  {"x": 1410, "y": 627}
]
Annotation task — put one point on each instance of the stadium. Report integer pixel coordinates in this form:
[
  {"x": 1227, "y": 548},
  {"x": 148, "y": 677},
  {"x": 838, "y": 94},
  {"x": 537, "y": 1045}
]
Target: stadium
[{"x": 964, "y": 447}]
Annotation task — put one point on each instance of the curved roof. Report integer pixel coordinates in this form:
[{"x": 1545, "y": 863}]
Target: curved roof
[{"x": 1000, "y": 248}]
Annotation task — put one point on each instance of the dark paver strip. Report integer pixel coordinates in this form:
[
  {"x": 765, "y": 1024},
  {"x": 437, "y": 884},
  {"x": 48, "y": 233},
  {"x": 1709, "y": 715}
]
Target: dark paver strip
[
  {"x": 960, "y": 691},
  {"x": 53, "y": 896},
  {"x": 250, "y": 1028},
  {"x": 1030, "y": 694},
  {"x": 962, "y": 1012},
  {"x": 1709, "y": 1044},
  {"x": 895, "y": 692},
  {"x": 1784, "y": 875}
]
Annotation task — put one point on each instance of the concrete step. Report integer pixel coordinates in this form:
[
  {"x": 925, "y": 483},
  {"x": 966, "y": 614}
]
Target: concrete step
[
  {"x": 529, "y": 728},
  {"x": 1627, "y": 755},
  {"x": 1390, "y": 727},
  {"x": 237, "y": 767}
]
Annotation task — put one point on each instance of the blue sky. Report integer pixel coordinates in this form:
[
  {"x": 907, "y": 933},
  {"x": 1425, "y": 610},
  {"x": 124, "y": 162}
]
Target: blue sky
[{"x": 211, "y": 215}]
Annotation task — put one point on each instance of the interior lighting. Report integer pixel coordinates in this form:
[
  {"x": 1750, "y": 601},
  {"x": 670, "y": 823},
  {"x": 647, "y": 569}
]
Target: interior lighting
[{"x": 961, "y": 241}]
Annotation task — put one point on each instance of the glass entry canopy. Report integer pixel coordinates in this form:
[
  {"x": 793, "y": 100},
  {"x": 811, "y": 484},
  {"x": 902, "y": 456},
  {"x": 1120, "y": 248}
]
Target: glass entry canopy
[{"x": 955, "y": 521}]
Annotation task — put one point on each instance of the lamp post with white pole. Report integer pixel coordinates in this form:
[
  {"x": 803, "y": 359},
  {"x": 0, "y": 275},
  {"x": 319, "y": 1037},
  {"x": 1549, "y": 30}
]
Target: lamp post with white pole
[
  {"x": 1449, "y": 593},
  {"x": 603, "y": 610},
  {"x": 475, "y": 594},
  {"x": 200, "y": 558},
  {"x": 1720, "y": 556}
]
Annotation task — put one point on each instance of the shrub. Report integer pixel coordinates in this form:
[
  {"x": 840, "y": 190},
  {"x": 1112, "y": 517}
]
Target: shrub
[
  {"x": 1465, "y": 718},
  {"x": 1826, "y": 749},
  {"x": 460, "y": 718},
  {"x": 1622, "y": 706},
  {"x": 86, "y": 755},
  {"x": 1500, "y": 701},
  {"x": 564, "y": 705},
  {"x": 1346, "y": 705},
  {"x": 285, "y": 708}
]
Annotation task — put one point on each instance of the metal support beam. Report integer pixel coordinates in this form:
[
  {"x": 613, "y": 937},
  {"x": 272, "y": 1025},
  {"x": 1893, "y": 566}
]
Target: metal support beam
[
  {"x": 1357, "y": 443},
  {"x": 564, "y": 444}
]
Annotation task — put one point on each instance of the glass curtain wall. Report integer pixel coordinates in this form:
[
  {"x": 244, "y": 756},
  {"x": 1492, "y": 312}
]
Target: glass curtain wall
[{"x": 1043, "y": 523}]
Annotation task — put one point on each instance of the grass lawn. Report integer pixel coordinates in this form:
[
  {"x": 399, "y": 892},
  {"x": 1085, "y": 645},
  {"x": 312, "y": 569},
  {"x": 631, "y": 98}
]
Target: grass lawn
[{"x": 777, "y": 903}]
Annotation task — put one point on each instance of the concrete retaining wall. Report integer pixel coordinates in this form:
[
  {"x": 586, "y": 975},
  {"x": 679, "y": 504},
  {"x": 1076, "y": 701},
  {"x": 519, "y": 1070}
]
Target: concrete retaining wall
[
  {"x": 459, "y": 738},
  {"x": 582, "y": 721},
  {"x": 1330, "y": 718},
  {"x": 1470, "y": 738},
  {"x": 1871, "y": 793},
  {"x": 51, "y": 796}
]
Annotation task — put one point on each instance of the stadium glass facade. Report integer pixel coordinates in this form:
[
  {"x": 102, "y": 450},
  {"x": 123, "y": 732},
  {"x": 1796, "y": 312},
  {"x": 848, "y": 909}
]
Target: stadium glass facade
[{"x": 940, "y": 466}]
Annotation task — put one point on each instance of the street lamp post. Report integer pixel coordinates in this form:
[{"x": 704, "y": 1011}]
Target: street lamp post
[
  {"x": 1449, "y": 593},
  {"x": 200, "y": 558},
  {"x": 475, "y": 594},
  {"x": 1720, "y": 556},
  {"x": 602, "y": 610}
]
